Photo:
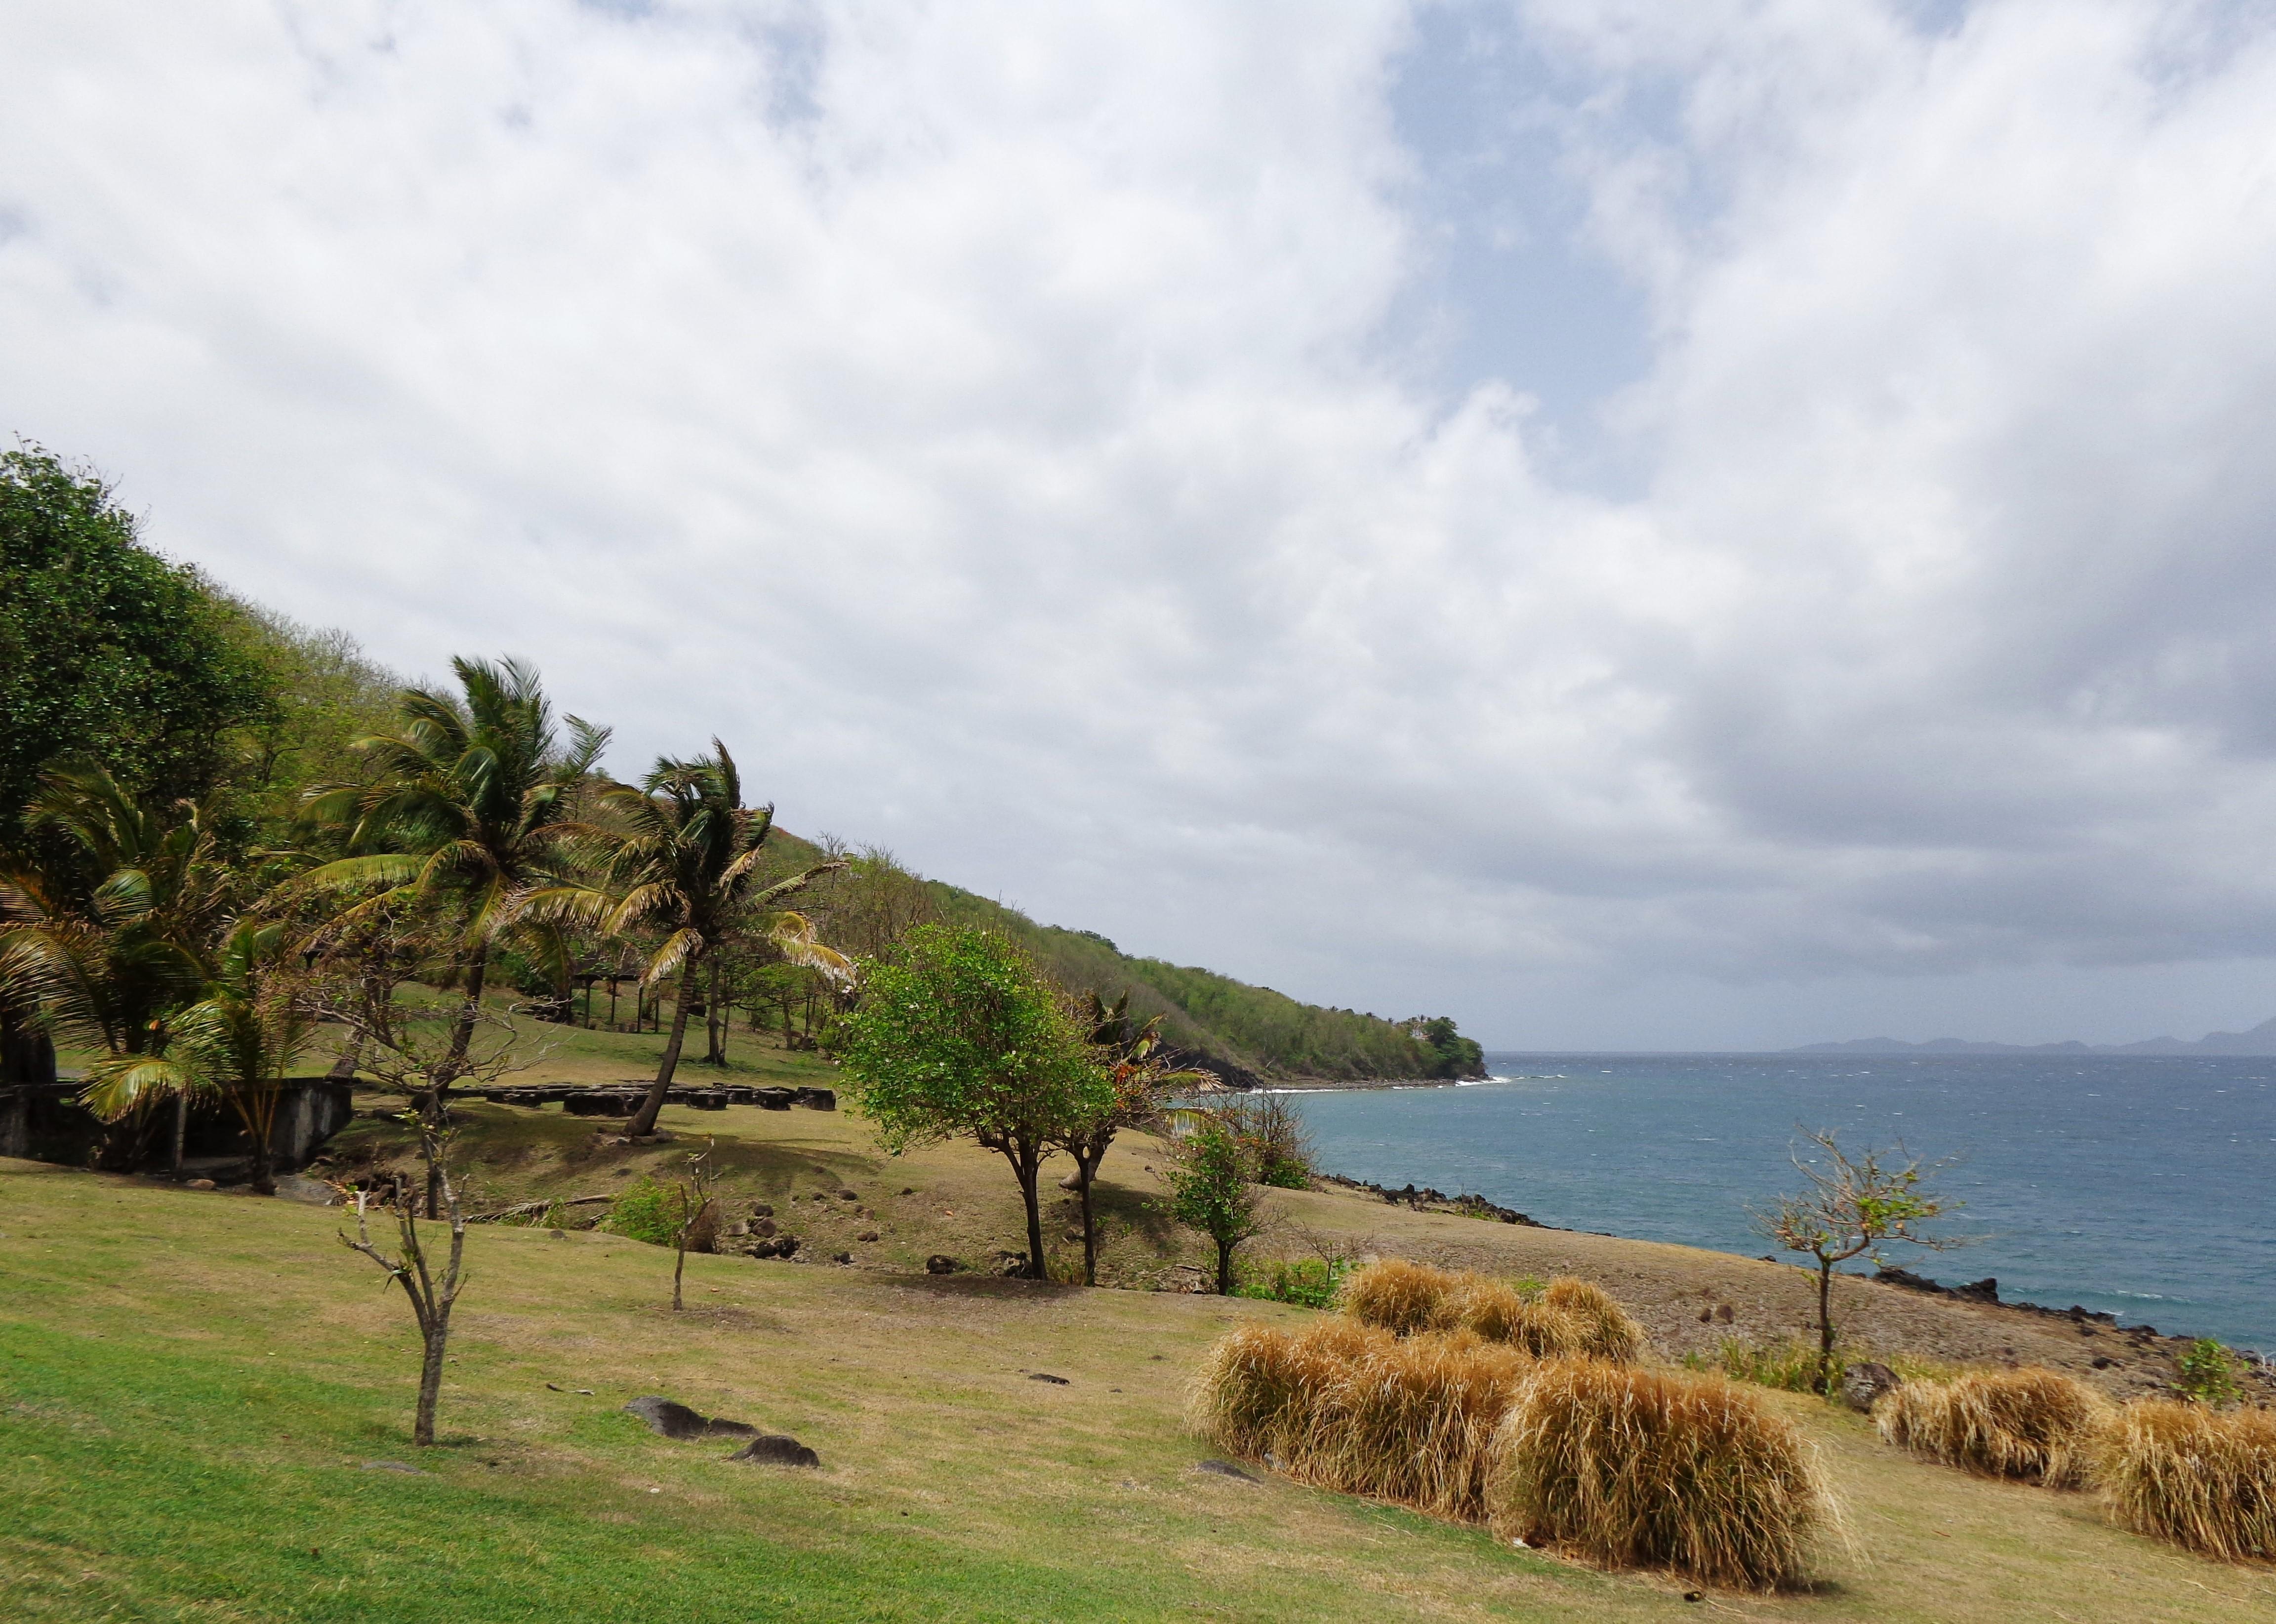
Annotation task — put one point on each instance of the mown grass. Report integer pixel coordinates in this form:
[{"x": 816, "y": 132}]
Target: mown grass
[{"x": 189, "y": 1384}]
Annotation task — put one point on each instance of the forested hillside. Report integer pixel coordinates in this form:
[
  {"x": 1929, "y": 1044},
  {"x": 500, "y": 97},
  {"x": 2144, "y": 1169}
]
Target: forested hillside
[{"x": 112, "y": 657}]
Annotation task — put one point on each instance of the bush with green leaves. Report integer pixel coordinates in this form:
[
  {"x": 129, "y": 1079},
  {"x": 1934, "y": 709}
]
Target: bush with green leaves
[
  {"x": 1308, "y": 1282},
  {"x": 2208, "y": 1374},
  {"x": 646, "y": 1210}
]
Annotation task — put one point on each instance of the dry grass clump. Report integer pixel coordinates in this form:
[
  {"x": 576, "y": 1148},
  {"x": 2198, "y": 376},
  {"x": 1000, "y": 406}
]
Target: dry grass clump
[
  {"x": 1499, "y": 1313},
  {"x": 2196, "y": 1476},
  {"x": 1414, "y": 1422},
  {"x": 1644, "y": 1468},
  {"x": 1610, "y": 1334},
  {"x": 2039, "y": 1425},
  {"x": 1403, "y": 1297},
  {"x": 1570, "y": 1318},
  {"x": 1259, "y": 1391},
  {"x": 1356, "y": 1409}
]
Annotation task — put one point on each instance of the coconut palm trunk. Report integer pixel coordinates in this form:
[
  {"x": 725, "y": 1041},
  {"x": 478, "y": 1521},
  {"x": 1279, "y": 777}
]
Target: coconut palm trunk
[{"x": 644, "y": 1121}]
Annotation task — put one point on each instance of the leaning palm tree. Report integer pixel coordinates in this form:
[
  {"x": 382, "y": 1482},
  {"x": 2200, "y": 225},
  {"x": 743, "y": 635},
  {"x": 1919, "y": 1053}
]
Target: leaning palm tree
[
  {"x": 236, "y": 1043},
  {"x": 471, "y": 811},
  {"x": 684, "y": 859},
  {"x": 105, "y": 932}
]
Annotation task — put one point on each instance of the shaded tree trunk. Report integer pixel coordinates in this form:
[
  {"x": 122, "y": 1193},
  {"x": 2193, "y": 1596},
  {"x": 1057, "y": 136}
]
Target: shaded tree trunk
[
  {"x": 1087, "y": 1156},
  {"x": 436, "y": 1339},
  {"x": 181, "y": 1134},
  {"x": 644, "y": 1120},
  {"x": 715, "y": 1020},
  {"x": 1026, "y": 1153},
  {"x": 1224, "y": 1267},
  {"x": 1824, "y": 1324}
]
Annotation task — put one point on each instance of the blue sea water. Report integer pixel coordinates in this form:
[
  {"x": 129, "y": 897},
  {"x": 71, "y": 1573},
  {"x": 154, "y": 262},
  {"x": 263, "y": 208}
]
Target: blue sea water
[{"x": 2145, "y": 1186}]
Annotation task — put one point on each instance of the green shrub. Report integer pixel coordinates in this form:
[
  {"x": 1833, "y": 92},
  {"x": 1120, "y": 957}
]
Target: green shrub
[
  {"x": 1309, "y": 1282},
  {"x": 1790, "y": 1367},
  {"x": 2209, "y": 1374},
  {"x": 646, "y": 1211},
  {"x": 1284, "y": 1174}
]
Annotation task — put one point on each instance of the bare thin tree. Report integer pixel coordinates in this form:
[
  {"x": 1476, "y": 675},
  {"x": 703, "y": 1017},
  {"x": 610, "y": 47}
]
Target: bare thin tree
[
  {"x": 432, "y": 1294},
  {"x": 1852, "y": 1206}
]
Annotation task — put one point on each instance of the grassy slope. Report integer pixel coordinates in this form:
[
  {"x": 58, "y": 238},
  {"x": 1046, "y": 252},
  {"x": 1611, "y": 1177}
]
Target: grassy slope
[{"x": 192, "y": 1383}]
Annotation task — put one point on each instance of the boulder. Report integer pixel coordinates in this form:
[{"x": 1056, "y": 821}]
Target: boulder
[
  {"x": 1010, "y": 1266},
  {"x": 776, "y": 1449},
  {"x": 311, "y": 1192},
  {"x": 1986, "y": 1290},
  {"x": 941, "y": 1263},
  {"x": 1224, "y": 1469},
  {"x": 775, "y": 1099},
  {"x": 867, "y": 1235},
  {"x": 199, "y": 1184},
  {"x": 1865, "y": 1383},
  {"x": 675, "y": 1420},
  {"x": 817, "y": 1099}
]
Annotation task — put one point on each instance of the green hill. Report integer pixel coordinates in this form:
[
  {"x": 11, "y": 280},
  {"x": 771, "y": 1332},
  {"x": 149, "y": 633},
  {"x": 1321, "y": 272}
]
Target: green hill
[{"x": 1244, "y": 1033}]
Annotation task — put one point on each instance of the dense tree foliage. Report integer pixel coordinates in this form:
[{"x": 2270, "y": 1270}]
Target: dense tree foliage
[
  {"x": 109, "y": 653},
  {"x": 958, "y": 1034}
]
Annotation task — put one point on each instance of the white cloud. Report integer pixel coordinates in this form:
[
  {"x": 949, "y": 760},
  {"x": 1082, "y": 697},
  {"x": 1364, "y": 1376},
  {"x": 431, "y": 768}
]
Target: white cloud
[{"x": 979, "y": 417}]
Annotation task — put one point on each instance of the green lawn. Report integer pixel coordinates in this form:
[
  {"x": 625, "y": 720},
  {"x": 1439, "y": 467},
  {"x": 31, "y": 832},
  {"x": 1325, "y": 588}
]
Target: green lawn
[{"x": 191, "y": 1386}]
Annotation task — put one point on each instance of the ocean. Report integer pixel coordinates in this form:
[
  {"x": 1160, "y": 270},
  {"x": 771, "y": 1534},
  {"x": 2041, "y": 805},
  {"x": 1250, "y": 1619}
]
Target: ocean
[{"x": 2144, "y": 1186}]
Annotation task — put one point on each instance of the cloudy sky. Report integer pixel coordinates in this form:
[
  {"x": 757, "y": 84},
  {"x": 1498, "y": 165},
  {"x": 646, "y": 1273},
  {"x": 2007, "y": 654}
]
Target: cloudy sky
[{"x": 1636, "y": 525}]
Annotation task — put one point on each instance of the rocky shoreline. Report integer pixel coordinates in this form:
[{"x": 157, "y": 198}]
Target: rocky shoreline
[{"x": 2128, "y": 1346}]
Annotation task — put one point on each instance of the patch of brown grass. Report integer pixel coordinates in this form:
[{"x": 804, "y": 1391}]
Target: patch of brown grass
[
  {"x": 2033, "y": 1424},
  {"x": 1499, "y": 1313},
  {"x": 1401, "y": 1297},
  {"x": 1570, "y": 1318},
  {"x": 1647, "y": 1468},
  {"x": 1609, "y": 1333},
  {"x": 1356, "y": 1409},
  {"x": 2197, "y": 1476},
  {"x": 1259, "y": 1391}
]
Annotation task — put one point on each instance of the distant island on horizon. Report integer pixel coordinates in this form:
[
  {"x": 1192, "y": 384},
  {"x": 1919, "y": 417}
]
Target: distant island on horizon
[{"x": 2261, "y": 1040}]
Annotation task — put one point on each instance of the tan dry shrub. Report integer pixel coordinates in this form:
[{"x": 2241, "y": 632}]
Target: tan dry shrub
[
  {"x": 2196, "y": 1476},
  {"x": 1610, "y": 1334},
  {"x": 1499, "y": 1313},
  {"x": 1570, "y": 1318},
  {"x": 2038, "y": 1425},
  {"x": 1413, "y": 1419},
  {"x": 1402, "y": 1297},
  {"x": 1647, "y": 1469},
  {"x": 1259, "y": 1390}
]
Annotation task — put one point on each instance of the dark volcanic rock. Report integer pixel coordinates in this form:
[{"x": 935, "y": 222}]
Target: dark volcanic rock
[
  {"x": 941, "y": 1263},
  {"x": 776, "y": 1449},
  {"x": 675, "y": 1420},
  {"x": 1056, "y": 1381},
  {"x": 1865, "y": 1382},
  {"x": 1224, "y": 1468}
]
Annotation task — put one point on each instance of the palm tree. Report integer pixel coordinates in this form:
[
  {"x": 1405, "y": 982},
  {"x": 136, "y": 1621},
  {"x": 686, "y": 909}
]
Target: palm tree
[
  {"x": 473, "y": 808},
  {"x": 108, "y": 934},
  {"x": 238, "y": 1041},
  {"x": 685, "y": 860}
]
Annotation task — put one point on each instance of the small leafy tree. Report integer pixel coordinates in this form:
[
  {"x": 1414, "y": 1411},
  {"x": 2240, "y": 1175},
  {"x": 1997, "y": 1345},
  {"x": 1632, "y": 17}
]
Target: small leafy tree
[
  {"x": 1853, "y": 1206},
  {"x": 1213, "y": 1189},
  {"x": 958, "y": 1034},
  {"x": 432, "y": 1294}
]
